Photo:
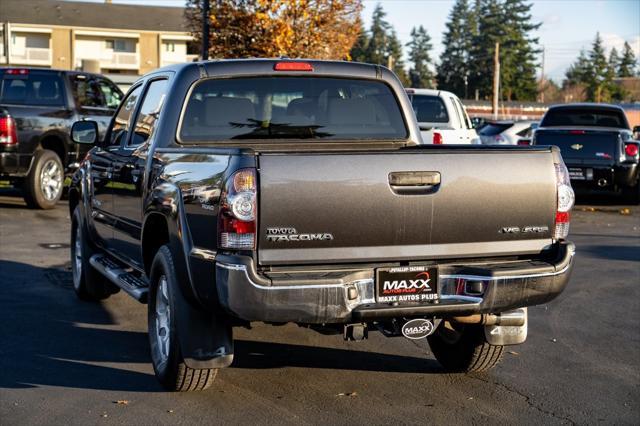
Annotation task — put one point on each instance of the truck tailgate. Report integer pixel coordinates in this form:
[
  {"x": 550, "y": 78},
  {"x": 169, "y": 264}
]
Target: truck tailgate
[
  {"x": 593, "y": 147},
  {"x": 357, "y": 207}
]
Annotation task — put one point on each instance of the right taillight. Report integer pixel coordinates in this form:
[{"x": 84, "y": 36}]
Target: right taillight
[
  {"x": 437, "y": 138},
  {"x": 565, "y": 201},
  {"x": 237, "y": 219},
  {"x": 8, "y": 132},
  {"x": 631, "y": 149}
]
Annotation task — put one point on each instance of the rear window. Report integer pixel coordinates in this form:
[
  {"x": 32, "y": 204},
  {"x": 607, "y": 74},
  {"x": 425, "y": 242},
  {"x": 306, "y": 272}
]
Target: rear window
[
  {"x": 34, "y": 88},
  {"x": 492, "y": 129},
  {"x": 429, "y": 109},
  {"x": 584, "y": 117},
  {"x": 291, "y": 108}
]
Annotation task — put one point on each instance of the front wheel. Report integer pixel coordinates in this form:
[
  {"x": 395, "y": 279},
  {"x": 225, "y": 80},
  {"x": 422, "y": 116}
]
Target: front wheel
[
  {"x": 463, "y": 348},
  {"x": 88, "y": 283},
  {"x": 168, "y": 363}
]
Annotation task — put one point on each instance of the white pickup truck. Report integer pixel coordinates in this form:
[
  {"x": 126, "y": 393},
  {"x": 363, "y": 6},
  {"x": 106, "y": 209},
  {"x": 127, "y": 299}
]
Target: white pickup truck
[{"x": 442, "y": 117}]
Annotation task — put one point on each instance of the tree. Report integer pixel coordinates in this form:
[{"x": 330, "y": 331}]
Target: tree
[
  {"x": 323, "y": 29},
  {"x": 455, "y": 67},
  {"x": 420, "y": 74},
  {"x": 519, "y": 52},
  {"x": 599, "y": 81},
  {"x": 358, "y": 52},
  {"x": 491, "y": 29},
  {"x": 579, "y": 71},
  {"x": 394, "y": 57},
  {"x": 377, "y": 49},
  {"x": 628, "y": 64}
]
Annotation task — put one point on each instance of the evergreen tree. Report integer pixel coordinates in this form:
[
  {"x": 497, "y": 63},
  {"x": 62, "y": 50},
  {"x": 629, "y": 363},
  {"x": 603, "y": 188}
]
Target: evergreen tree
[
  {"x": 393, "y": 57},
  {"x": 614, "y": 61},
  {"x": 455, "y": 66},
  {"x": 420, "y": 76},
  {"x": 377, "y": 48},
  {"x": 627, "y": 62},
  {"x": 491, "y": 29},
  {"x": 358, "y": 52},
  {"x": 579, "y": 71},
  {"x": 518, "y": 52},
  {"x": 599, "y": 80}
]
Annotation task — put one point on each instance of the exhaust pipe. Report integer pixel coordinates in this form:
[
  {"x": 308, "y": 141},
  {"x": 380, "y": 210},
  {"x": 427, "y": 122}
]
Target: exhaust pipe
[
  {"x": 602, "y": 182},
  {"x": 513, "y": 318}
]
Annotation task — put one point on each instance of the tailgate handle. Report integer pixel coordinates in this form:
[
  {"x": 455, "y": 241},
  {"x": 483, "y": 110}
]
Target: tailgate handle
[{"x": 420, "y": 179}]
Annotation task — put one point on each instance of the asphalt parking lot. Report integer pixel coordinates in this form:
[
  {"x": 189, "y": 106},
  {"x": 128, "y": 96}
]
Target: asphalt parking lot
[{"x": 63, "y": 361}]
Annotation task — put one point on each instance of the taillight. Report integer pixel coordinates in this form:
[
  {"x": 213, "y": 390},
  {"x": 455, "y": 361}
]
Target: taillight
[
  {"x": 631, "y": 149},
  {"x": 8, "y": 132},
  {"x": 437, "y": 138},
  {"x": 524, "y": 142},
  {"x": 237, "y": 219},
  {"x": 565, "y": 201}
]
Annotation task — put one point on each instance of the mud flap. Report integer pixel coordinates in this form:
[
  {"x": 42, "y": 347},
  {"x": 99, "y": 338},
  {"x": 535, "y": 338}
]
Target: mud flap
[
  {"x": 503, "y": 335},
  {"x": 205, "y": 338}
]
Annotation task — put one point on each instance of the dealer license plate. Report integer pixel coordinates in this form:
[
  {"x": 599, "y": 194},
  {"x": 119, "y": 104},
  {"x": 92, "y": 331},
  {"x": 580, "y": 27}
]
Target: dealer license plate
[{"x": 407, "y": 284}]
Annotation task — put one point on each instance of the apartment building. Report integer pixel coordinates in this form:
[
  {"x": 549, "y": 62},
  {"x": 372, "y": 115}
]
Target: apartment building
[{"x": 114, "y": 39}]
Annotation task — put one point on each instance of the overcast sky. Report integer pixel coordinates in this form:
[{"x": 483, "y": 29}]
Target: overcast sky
[{"x": 567, "y": 25}]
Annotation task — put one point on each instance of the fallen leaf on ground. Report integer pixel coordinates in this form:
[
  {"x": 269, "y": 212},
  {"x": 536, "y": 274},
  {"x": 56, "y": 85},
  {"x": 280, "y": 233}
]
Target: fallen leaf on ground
[
  {"x": 625, "y": 212},
  {"x": 169, "y": 411},
  {"x": 121, "y": 402},
  {"x": 514, "y": 353},
  {"x": 350, "y": 394}
]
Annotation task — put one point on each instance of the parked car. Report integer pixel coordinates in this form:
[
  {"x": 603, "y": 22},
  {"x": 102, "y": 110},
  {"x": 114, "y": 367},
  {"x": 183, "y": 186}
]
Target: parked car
[
  {"x": 228, "y": 192},
  {"x": 37, "y": 109},
  {"x": 597, "y": 146},
  {"x": 441, "y": 117},
  {"x": 507, "y": 132}
]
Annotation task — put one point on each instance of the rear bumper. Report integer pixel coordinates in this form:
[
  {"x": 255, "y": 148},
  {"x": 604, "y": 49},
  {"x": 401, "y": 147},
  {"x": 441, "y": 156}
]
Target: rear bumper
[
  {"x": 14, "y": 164},
  {"x": 605, "y": 178},
  {"x": 334, "y": 298}
]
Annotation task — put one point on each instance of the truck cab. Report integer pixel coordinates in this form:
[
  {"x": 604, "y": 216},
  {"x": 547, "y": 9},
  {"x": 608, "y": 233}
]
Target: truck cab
[{"x": 442, "y": 118}]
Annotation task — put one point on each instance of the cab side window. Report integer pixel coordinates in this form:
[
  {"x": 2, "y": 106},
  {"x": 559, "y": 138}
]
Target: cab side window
[
  {"x": 112, "y": 95},
  {"x": 149, "y": 112},
  {"x": 86, "y": 92},
  {"x": 122, "y": 121}
]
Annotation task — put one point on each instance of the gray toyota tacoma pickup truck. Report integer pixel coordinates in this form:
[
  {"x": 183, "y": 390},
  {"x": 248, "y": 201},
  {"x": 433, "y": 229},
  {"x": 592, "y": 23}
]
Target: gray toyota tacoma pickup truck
[{"x": 228, "y": 192}]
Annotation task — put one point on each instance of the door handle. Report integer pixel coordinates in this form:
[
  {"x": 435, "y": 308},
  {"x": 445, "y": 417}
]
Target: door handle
[{"x": 414, "y": 183}]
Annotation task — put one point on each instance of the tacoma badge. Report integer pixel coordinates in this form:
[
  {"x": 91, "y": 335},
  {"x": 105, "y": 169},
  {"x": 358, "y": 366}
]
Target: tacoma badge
[{"x": 290, "y": 234}]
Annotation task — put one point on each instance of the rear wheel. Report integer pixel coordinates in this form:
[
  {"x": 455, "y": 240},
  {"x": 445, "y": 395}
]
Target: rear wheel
[
  {"x": 88, "y": 283},
  {"x": 45, "y": 181},
  {"x": 168, "y": 363},
  {"x": 463, "y": 348}
]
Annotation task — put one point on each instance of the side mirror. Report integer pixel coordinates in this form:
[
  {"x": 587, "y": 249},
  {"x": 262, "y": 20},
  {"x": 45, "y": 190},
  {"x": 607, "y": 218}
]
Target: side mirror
[{"x": 84, "y": 132}]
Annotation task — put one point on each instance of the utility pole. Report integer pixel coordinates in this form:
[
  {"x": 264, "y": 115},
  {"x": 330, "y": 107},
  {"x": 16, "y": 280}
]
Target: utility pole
[
  {"x": 205, "y": 30},
  {"x": 542, "y": 84},
  {"x": 496, "y": 80}
]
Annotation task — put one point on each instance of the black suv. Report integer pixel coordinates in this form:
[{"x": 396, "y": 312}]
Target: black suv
[{"x": 37, "y": 109}]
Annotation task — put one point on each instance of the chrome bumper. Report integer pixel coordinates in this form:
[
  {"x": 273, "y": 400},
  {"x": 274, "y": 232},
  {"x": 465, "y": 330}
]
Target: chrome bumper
[{"x": 351, "y": 297}]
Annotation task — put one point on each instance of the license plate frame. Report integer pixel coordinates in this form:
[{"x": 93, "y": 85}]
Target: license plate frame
[{"x": 407, "y": 284}]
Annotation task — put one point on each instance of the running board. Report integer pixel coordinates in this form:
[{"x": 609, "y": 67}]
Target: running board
[{"x": 133, "y": 285}]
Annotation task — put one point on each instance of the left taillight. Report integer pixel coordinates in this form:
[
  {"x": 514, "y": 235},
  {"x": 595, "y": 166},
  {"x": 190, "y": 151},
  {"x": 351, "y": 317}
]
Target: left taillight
[
  {"x": 237, "y": 219},
  {"x": 8, "y": 131},
  {"x": 565, "y": 201}
]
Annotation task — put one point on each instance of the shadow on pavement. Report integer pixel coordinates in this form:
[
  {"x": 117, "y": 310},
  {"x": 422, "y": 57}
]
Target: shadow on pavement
[
  {"x": 51, "y": 338},
  {"x": 264, "y": 355},
  {"x": 626, "y": 253}
]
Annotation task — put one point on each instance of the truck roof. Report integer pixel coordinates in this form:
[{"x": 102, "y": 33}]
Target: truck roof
[{"x": 428, "y": 92}]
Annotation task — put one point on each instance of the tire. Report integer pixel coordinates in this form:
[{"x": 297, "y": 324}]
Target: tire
[
  {"x": 168, "y": 363},
  {"x": 44, "y": 184},
  {"x": 463, "y": 348},
  {"x": 88, "y": 283}
]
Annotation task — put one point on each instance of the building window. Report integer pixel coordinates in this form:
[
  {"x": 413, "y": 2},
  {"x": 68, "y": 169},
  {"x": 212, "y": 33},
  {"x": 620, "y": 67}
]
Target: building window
[
  {"x": 116, "y": 45},
  {"x": 170, "y": 47}
]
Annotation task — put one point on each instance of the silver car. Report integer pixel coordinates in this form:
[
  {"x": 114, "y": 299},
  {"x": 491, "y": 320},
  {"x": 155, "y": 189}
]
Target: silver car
[{"x": 507, "y": 132}]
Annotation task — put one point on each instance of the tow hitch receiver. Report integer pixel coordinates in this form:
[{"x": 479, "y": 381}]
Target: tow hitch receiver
[
  {"x": 418, "y": 328},
  {"x": 355, "y": 332}
]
